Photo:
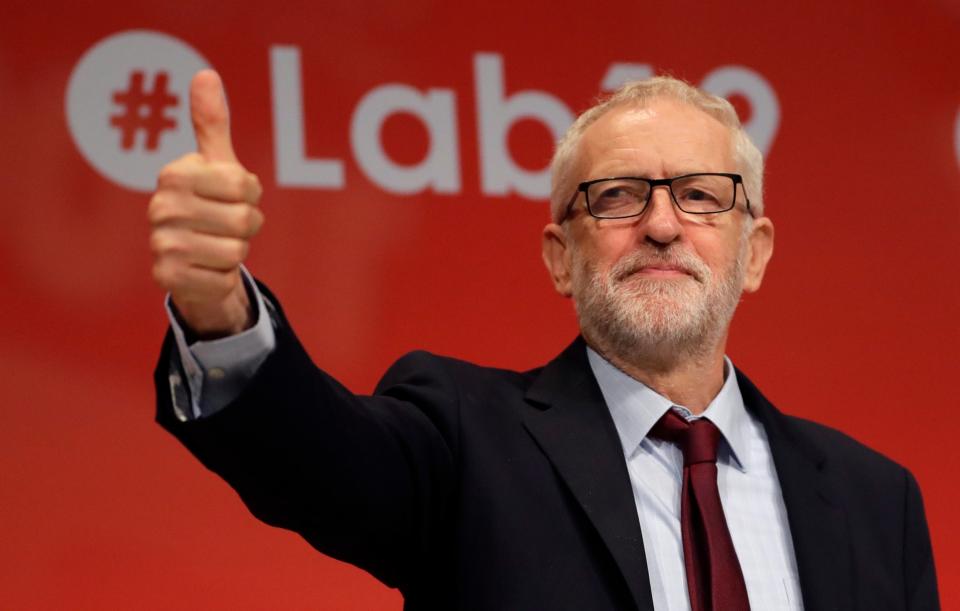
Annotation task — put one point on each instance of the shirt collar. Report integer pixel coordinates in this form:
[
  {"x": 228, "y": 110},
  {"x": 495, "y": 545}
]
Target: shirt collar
[{"x": 635, "y": 408}]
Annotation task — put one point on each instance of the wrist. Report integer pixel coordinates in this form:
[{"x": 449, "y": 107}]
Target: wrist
[{"x": 205, "y": 321}]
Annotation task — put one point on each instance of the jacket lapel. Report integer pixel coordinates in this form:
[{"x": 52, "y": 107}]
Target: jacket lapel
[
  {"x": 570, "y": 422},
  {"x": 818, "y": 522}
]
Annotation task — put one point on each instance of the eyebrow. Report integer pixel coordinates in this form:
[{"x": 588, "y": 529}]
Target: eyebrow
[{"x": 683, "y": 172}]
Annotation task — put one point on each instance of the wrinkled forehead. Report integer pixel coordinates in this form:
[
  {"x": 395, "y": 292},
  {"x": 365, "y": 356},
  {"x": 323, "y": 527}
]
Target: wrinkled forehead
[{"x": 659, "y": 138}]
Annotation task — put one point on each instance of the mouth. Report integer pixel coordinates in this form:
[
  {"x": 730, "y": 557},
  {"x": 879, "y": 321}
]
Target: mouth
[
  {"x": 662, "y": 271},
  {"x": 657, "y": 271}
]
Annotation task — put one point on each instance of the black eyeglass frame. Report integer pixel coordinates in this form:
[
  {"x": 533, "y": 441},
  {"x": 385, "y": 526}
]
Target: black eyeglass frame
[{"x": 655, "y": 182}]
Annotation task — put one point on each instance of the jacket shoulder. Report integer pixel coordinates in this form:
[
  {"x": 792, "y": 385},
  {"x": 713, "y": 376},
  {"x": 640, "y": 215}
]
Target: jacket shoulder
[
  {"x": 841, "y": 449},
  {"x": 824, "y": 444},
  {"x": 422, "y": 368},
  {"x": 870, "y": 484}
]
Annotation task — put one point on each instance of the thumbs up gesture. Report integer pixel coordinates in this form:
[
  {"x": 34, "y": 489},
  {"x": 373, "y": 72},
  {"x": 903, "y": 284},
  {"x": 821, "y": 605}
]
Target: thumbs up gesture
[{"x": 202, "y": 217}]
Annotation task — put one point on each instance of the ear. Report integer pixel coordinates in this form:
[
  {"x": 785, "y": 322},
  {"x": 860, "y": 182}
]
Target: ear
[
  {"x": 557, "y": 258},
  {"x": 759, "y": 251}
]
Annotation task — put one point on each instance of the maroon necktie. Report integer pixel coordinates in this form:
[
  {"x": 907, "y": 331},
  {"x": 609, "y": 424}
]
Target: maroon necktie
[{"x": 714, "y": 578}]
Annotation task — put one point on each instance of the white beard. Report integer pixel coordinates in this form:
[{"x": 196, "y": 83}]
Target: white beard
[{"x": 656, "y": 320}]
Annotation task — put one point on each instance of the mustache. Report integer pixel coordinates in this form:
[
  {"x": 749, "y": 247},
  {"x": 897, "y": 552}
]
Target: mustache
[{"x": 674, "y": 258}]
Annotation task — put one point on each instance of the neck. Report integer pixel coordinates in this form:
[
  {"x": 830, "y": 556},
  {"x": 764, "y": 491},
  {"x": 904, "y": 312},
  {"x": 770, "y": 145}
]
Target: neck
[{"x": 691, "y": 381}]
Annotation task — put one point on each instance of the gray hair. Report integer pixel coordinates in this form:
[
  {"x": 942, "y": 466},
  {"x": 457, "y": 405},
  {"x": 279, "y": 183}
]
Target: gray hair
[{"x": 746, "y": 155}]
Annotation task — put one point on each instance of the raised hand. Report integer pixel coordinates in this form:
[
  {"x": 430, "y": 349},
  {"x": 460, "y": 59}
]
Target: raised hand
[{"x": 202, "y": 217}]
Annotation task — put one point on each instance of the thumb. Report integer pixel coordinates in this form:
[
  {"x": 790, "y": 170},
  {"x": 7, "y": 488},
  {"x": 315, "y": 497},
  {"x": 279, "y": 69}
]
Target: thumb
[{"x": 211, "y": 119}]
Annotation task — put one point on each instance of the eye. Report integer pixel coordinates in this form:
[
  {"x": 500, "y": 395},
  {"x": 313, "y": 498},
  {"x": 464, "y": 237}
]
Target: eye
[
  {"x": 704, "y": 193},
  {"x": 617, "y": 198},
  {"x": 695, "y": 194},
  {"x": 616, "y": 192}
]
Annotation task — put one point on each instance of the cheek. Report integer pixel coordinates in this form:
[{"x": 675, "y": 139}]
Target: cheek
[
  {"x": 720, "y": 259},
  {"x": 609, "y": 247},
  {"x": 717, "y": 247}
]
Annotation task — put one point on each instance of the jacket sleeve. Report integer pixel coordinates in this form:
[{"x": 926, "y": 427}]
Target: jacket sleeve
[
  {"x": 919, "y": 574},
  {"x": 367, "y": 480}
]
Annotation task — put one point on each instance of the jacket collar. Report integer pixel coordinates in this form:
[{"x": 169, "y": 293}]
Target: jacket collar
[{"x": 569, "y": 420}]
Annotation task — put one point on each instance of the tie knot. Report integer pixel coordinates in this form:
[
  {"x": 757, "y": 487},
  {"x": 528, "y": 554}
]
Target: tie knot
[{"x": 697, "y": 439}]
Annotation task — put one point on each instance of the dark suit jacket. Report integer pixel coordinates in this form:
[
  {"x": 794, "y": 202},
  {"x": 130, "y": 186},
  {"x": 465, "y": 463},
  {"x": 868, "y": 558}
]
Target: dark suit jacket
[{"x": 476, "y": 488}]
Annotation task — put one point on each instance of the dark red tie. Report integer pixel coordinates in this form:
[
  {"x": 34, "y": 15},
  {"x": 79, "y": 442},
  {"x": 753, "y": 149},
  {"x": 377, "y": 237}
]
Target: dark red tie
[{"x": 714, "y": 578}]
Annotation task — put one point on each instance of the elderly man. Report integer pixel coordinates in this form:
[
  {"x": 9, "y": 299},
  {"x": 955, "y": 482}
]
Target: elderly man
[{"x": 637, "y": 470}]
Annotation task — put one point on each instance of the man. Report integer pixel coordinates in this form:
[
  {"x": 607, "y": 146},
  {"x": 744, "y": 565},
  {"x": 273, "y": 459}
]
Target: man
[{"x": 580, "y": 485}]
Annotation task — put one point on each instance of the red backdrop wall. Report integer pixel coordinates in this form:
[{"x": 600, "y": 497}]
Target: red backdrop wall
[{"x": 856, "y": 325}]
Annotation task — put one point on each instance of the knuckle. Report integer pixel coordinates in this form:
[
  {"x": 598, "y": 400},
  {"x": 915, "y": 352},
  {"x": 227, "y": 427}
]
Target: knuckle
[
  {"x": 170, "y": 177},
  {"x": 156, "y": 243},
  {"x": 237, "y": 252},
  {"x": 160, "y": 210},
  {"x": 250, "y": 221},
  {"x": 163, "y": 243},
  {"x": 164, "y": 275},
  {"x": 255, "y": 188},
  {"x": 235, "y": 184},
  {"x": 157, "y": 271}
]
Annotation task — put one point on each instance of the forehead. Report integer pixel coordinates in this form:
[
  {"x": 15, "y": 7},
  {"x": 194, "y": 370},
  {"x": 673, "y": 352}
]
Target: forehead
[{"x": 659, "y": 139}]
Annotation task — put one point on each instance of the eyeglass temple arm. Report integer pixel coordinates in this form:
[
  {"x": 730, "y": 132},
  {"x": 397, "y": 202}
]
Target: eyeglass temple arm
[{"x": 568, "y": 207}]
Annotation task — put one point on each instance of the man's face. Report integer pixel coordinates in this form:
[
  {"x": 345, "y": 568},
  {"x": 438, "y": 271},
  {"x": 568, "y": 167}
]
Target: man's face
[{"x": 664, "y": 283}]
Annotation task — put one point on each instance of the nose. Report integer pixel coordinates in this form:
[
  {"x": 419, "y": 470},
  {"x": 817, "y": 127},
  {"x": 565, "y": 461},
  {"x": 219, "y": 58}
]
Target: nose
[{"x": 660, "y": 222}]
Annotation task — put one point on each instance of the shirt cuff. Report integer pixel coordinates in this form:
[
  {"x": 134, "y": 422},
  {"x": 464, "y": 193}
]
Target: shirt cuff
[{"x": 216, "y": 371}]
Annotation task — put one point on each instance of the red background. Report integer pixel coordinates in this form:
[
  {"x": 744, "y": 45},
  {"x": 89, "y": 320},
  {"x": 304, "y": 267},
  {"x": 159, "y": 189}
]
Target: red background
[{"x": 856, "y": 325}]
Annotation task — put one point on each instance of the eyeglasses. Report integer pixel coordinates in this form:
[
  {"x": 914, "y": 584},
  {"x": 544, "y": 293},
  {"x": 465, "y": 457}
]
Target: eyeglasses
[{"x": 626, "y": 196}]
